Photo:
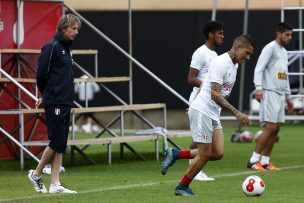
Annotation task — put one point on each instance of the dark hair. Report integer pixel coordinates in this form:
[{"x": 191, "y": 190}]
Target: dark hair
[
  {"x": 246, "y": 40},
  {"x": 212, "y": 26},
  {"x": 283, "y": 27}
]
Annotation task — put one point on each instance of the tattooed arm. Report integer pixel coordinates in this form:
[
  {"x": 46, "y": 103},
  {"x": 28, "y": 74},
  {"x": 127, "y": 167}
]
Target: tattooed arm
[{"x": 222, "y": 102}]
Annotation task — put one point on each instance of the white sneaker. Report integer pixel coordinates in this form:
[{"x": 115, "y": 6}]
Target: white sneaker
[
  {"x": 54, "y": 188},
  {"x": 47, "y": 169},
  {"x": 36, "y": 182},
  {"x": 201, "y": 176}
]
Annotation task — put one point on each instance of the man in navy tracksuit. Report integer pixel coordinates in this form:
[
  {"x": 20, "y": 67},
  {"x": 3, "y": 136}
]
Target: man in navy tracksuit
[{"x": 55, "y": 80}]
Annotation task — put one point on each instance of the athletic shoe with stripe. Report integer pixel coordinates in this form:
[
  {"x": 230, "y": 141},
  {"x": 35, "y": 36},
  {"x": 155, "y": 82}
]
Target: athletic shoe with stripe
[
  {"x": 271, "y": 167},
  {"x": 181, "y": 190},
  {"x": 54, "y": 188},
  {"x": 169, "y": 160},
  {"x": 36, "y": 182},
  {"x": 256, "y": 166}
]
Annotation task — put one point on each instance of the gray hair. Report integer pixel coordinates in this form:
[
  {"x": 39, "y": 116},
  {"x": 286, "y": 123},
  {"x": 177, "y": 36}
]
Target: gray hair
[{"x": 66, "y": 21}]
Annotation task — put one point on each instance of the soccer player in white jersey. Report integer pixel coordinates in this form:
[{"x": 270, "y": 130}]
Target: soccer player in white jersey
[
  {"x": 204, "y": 112},
  {"x": 272, "y": 91},
  {"x": 201, "y": 59}
]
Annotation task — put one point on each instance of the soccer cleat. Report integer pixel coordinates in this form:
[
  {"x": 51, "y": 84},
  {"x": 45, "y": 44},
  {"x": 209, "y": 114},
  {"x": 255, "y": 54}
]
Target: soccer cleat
[
  {"x": 271, "y": 167},
  {"x": 169, "y": 160},
  {"x": 36, "y": 182},
  {"x": 201, "y": 176},
  {"x": 181, "y": 190},
  {"x": 60, "y": 189},
  {"x": 256, "y": 166}
]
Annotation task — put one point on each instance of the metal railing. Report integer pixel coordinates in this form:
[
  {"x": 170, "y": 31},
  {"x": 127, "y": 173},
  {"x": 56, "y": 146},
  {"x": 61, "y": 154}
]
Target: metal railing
[{"x": 141, "y": 66}]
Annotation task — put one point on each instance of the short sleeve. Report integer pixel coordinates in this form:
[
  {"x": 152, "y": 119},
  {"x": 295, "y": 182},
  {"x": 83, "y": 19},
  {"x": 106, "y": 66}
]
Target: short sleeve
[
  {"x": 217, "y": 71},
  {"x": 197, "y": 60}
]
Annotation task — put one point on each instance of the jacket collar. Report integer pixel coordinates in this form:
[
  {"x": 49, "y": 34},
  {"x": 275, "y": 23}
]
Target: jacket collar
[{"x": 64, "y": 42}]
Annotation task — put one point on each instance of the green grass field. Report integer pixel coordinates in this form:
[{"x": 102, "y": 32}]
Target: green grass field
[{"x": 132, "y": 180}]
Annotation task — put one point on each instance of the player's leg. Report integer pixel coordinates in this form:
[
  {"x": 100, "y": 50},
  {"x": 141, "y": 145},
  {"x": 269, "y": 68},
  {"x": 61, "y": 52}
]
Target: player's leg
[
  {"x": 47, "y": 155},
  {"x": 265, "y": 140},
  {"x": 200, "y": 160},
  {"x": 217, "y": 151},
  {"x": 269, "y": 114},
  {"x": 59, "y": 144},
  {"x": 277, "y": 117},
  {"x": 172, "y": 154},
  {"x": 56, "y": 186},
  {"x": 217, "y": 142},
  {"x": 267, "y": 150},
  {"x": 263, "y": 143},
  {"x": 201, "y": 128},
  {"x": 204, "y": 154},
  {"x": 265, "y": 160},
  {"x": 35, "y": 176},
  {"x": 201, "y": 176},
  {"x": 56, "y": 162}
]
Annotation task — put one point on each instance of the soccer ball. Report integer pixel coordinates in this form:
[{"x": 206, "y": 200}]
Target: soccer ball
[
  {"x": 253, "y": 186},
  {"x": 257, "y": 135},
  {"x": 243, "y": 137},
  {"x": 246, "y": 136}
]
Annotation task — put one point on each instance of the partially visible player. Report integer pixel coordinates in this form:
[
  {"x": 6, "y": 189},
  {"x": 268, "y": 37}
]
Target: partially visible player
[
  {"x": 272, "y": 91},
  {"x": 201, "y": 59},
  {"x": 204, "y": 112}
]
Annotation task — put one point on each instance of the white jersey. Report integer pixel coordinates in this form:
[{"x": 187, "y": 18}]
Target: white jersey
[
  {"x": 201, "y": 60},
  {"x": 222, "y": 71},
  {"x": 271, "y": 71}
]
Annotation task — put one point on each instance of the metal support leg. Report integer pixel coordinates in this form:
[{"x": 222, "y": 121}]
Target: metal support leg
[
  {"x": 165, "y": 117},
  {"x": 157, "y": 149},
  {"x": 121, "y": 133},
  {"x": 110, "y": 153},
  {"x": 21, "y": 141},
  {"x": 72, "y": 158}
]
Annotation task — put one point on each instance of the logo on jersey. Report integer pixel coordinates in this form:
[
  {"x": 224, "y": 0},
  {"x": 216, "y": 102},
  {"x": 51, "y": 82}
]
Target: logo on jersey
[
  {"x": 57, "y": 112},
  {"x": 227, "y": 86},
  {"x": 205, "y": 137},
  {"x": 282, "y": 76}
]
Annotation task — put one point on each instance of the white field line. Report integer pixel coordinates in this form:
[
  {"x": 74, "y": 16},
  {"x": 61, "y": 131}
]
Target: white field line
[{"x": 138, "y": 185}]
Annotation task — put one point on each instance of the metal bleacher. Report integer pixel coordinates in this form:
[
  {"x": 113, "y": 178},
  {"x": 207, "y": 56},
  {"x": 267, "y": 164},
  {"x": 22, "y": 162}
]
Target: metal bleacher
[{"x": 135, "y": 109}]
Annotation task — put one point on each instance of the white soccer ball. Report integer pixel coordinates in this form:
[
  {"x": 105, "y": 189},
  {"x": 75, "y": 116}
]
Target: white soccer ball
[
  {"x": 253, "y": 186},
  {"x": 246, "y": 136},
  {"x": 257, "y": 135}
]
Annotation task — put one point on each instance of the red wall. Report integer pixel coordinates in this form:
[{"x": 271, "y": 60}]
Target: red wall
[{"x": 39, "y": 21}]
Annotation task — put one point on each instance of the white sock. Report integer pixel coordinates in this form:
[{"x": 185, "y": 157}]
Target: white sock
[
  {"x": 265, "y": 160},
  {"x": 255, "y": 157}
]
